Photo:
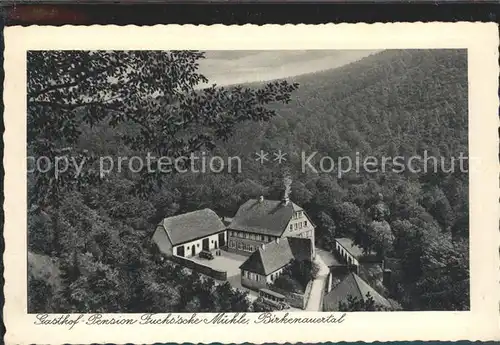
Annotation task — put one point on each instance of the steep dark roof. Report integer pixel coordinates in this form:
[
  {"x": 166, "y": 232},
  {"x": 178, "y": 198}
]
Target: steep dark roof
[
  {"x": 190, "y": 226},
  {"x": 267, "y": 217},
  {"x": 276, "y": 255},
  {"x": 354, "y": 286}
]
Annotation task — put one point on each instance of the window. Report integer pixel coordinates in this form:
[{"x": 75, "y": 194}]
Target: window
[
  {"x": 291, "y": 226},
  {"x": 198, "y": 245},
  {"x": 305, "y": 223},
  {"x": 231, "y": 244},
  {"x": 251, "y": 248},
  {"x": 239, "y": 246}
]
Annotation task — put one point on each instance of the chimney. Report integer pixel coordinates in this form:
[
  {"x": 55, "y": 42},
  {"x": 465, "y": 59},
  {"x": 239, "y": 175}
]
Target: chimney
[
  {"x": 261, "y": 198},
  {"x": 387, "y": 278},
  {"x": 287, "y": 182}
]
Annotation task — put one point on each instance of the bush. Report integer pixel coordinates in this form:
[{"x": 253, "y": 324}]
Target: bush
[
  {"x": 260, "y": 306},
  {"x": 361, "y": 304},
  {"x": 303, "y": 271},
  {"x": 288, "y": 283}
]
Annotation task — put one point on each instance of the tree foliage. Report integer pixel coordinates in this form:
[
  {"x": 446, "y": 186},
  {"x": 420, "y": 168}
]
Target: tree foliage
[
  {"x": 154, "y": 92},
  {"x": 86, "y": 104},
  {"x": 414, "y": 100},
  {"x": 361, "y": 304},
  {"x": 296, "y": 276}
]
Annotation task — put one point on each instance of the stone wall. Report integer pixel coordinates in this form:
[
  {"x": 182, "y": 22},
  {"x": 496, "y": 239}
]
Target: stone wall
[{"x": 216, "y": 274}]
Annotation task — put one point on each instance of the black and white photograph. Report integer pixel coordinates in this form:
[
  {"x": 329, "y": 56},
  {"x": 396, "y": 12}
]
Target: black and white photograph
[
  {"x": 251, "y": 184},
  {"x": 211, "y": 181}
]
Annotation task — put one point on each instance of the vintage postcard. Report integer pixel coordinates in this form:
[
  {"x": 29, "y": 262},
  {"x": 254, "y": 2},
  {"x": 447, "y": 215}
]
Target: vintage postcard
[{"x": 252, "y": 184}]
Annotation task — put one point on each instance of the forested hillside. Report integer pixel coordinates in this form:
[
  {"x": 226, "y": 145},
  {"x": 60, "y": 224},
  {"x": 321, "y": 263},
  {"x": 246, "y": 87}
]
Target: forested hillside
[
  {"x": 389, "y": 104},
  {"x": 392, "y": 103}
]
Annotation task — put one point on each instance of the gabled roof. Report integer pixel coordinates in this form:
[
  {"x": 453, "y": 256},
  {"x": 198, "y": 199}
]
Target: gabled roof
[
  {"x": 193, "y": 225},
  {"x": 354, "y": 286},
  {"x": 266, "y": 217},
  {"x": 275, "y": 255}
]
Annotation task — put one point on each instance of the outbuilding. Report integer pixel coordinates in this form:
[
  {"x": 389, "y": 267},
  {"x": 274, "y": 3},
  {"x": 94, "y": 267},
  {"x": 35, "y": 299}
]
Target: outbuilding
[{"x": 187, "y": 234}]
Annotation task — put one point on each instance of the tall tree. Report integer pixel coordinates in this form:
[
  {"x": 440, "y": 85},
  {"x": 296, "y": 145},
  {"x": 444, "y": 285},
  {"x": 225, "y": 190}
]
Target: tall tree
[{"x": 158, "y": 91}]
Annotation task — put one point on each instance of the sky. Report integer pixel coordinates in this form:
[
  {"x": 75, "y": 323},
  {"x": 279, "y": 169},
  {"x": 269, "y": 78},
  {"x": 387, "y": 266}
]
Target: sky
[{"x": 234, "y": 67}]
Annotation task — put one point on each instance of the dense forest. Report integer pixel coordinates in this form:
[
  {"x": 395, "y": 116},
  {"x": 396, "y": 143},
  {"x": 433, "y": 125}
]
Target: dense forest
[{"x": 90, "y": 248}]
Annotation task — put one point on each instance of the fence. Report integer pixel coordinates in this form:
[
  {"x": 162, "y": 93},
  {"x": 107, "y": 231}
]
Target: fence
[{"x": 216, "y": 274}]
